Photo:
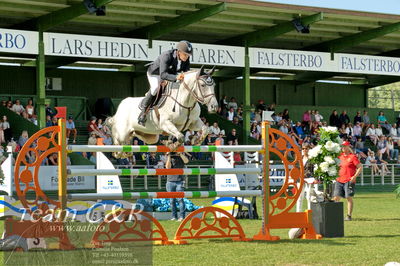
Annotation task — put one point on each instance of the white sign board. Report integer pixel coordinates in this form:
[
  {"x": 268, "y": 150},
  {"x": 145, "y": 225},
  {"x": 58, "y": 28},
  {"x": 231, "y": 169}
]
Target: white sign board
[
  {"x": 319, "y": 61},
  {"x": 72, "y": 45},
  {"x": 19, "y": 41}
]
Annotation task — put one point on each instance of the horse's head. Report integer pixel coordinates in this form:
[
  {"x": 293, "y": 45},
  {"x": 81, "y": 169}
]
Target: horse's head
[{"x": 204, "y": 89}]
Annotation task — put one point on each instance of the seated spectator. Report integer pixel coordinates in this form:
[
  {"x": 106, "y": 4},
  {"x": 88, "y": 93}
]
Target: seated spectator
[
  {"x": 53, "y": 159},
  {"x": 9, "y": 105},
  {"x": 236, "y": 121},
  {"x": 285, "y": 115},
  {"x": 92, "y": 127},
  {"x": 314, "y": 130},
  {"x": 54, "y": 121},
  {"x": 189, "y": 135},
  {"x": 232, "y": 104},
  {"x": 278, "y": 118},
  {"x": 257, "y": 116},
  {"x": 307, "y": 117},
  {"x": 381, "y": 118},
  {"x": 371, "y": 134},
  {"x": 358, "y": 118},
  {"x": 230, "y": 114},
  {"x": 383, "y": 164},
  {"x": 214, "y": 130},
  {"x": 284, "y": 128},
  {"x": 298, "y": 128},
  {"x": 30, "y": 109},
  {"x": 232, "y": 138},
  {"x": 365, "y": 119},
  {"x": 220, "y": 138},
  {"x": 49, "y": 111},
  {"x": 357, "y": 130},
  {"x": 318, "y": 117},
  {"x": 261, "y": 105},
  {"x": 70, "y": 126},
  {"x": 152, "y": 160},
  {"x": 312, "y": 115},
  {"x": 382, "y": 147},
  {"x": 23, "y": 138},
  {"x": 393, "y": 132},
  {"x": 223, "y": 103},
  {"x": 49, "y": 123},
  {"x": 293, "y": 135},
  {"x": 92, "y": 139},
  {"x": 344, "y": 118},
  {"x": 254, "y": 133},
  {"x": 271, "y": 108},
  {"x": 334, "y": 119},
  {"x": 239, "y": 114},
  {"x": 349, "y": 129},
  {"x": 360, "y": 149},
  {"x": 379, "y": 130},
  {"x": 342, "y": 132},
  {"x": 393, "y": 153},
  {"x": 18, "y": 108},
  {"x": 372, "y": 162}
]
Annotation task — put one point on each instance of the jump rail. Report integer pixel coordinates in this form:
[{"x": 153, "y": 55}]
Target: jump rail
[
  {"x": 143, "y": 172},
  {"x": 148, "y": 148},
  {"x": 163, "y": 195}
]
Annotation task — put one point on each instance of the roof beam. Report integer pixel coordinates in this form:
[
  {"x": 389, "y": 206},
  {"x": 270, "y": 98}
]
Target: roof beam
[
  {"x": 58, "y": 17},
  {"x": 256, "y": 37},
  {"x": 340, "y": 44},
  {"x": 156, "y": 30}
]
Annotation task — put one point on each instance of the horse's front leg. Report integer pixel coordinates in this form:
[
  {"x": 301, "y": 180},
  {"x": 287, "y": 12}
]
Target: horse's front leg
[
  {"x": 171, "y": 129},
  {"x": 198, "y": 125}
]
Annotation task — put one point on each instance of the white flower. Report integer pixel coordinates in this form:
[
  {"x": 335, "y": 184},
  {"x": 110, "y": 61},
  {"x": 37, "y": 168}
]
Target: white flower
[
  {"x": 315, "y": 151},
  {"x": 324, "y": 166},
  {"x": 329, "y": 159},
  {"x": 330, "y": 129},
  {"x": 315, "y": 168},
  {"x": 330, "y": 146},
  {"x": 339, "y": 140},
  {"x": 332, "y": 171},
  {"x": 337, "y": 148}
]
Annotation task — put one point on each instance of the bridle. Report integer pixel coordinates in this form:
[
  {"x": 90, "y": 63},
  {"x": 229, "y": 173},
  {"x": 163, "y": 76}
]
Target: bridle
[{"x": 208, "y": 81}]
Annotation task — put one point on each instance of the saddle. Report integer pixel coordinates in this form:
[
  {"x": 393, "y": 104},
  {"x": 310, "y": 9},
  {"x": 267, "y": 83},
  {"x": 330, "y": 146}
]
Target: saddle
[{"x": 163, "y": 92}]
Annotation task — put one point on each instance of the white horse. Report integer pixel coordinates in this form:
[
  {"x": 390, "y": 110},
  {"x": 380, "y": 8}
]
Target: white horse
[{"x": 179, "y": 113}]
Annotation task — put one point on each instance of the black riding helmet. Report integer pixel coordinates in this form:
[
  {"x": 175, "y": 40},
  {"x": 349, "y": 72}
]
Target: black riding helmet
[{"x": 185, "y": 46}]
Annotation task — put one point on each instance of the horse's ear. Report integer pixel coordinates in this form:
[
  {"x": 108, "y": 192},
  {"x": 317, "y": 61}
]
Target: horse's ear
[
  {"x": 200, "y": 72},
  {"x": 211, "y": 71}
]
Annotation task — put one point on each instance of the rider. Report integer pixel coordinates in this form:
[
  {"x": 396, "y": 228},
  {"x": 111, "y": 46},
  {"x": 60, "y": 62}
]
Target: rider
[{"x": 165, "y": 67}]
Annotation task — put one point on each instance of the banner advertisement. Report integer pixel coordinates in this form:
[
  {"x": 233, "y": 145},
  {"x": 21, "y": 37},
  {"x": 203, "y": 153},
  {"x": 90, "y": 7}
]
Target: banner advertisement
[{"x": 19, "y": 41}]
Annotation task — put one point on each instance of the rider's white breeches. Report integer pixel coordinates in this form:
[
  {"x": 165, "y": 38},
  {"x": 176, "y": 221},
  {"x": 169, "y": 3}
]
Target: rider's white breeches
[{"x": 154, "y": 81}]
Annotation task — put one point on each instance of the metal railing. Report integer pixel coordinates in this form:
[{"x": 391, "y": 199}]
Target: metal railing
[{"x": 390, "y": 177}]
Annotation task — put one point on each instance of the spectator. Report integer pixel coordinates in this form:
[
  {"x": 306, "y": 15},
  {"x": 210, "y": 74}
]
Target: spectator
[
  {"x": 236, "y": 121},
  {"x": 53, "y": 159},
  {"x": 271, "y": 108},
  {"x": 365, "y": 119},
  {"x": 349, "y": 129},
  {"x": 393, "y": 153},
  {"x": 357, "y": 130},
  {"x": 257, "y": 116},
  {"x": 223, "y": 103},
  {"x": 23, "y": 138},
  {"x": 175, "y": 182},
  {"x": 372, "y": 162},
  {"x": 307, "y": 117},
  {"x": 379, "y": 130},
  {"x": 239, "y": 114},
  {"x": 232, "y": 138},
  {"x": 284, "y": 128},
  {"x": 358, "y": 118},
  {"x": 30, "y": 109},
  {"x": 344, "y": 119},
  {"x": 393, "y": 132},
  {"x": 92, "y": 127},
  {"x": 5, "y": 126},
  {"x": 54, "y": 121},
  {"x": 220, "y": 138},
  {"x": 214, "y": 130},
  {"x": 382, "y": 147},
  {"x": 189, "y": 135},
  {"x": 254, "y": 131},
  {"x": 278, "y": 118},
  {"x": 298, "y": 128},
  {"x": 285, "y": 115},
  {"x": 152, "y": 160},
  {"x": 49, "y": 111},
  {"x": 360, "y": 149},
  {"x": 318, "y": 116},
  {"x": 4, "y": 103},
  {"x": 71, "y": 129},
  {"x": 381, "y": 118},
  {"x": 233, "y": 104},
  {"x": 230, "y": 114},
  {"x": 18, "y": 108},
  {"x": 371, "y": 134},
  {"x": 92, "y": 139},
  {"x": 9, "y": 105},
  {"x": 49, "y": 123},
  {"x": 334, "y": 119},
  {"x": 261, "y": 105}
]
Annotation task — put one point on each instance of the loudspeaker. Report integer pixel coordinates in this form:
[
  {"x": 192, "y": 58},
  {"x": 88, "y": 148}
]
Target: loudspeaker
[{"x": 328, "y": 218}]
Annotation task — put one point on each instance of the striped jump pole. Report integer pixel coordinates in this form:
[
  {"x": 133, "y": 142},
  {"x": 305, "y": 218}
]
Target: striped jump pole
[
  {"x": 143, "y": 172},
  {"x": 150, "y": 148},
  {"x": 163, "y": 195}
]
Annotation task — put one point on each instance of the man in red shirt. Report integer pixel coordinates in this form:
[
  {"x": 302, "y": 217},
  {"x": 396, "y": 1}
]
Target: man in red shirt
[{"x": 350, "y": 168}]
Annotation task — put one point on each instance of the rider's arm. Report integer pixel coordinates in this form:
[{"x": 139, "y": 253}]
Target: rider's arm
[
  {"x": 168, "y": 163},
  {"x": 165, "y": 62}
]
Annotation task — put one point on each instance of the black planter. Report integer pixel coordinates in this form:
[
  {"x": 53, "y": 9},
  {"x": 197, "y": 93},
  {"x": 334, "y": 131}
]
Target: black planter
[{"x": 327, "y": 218}]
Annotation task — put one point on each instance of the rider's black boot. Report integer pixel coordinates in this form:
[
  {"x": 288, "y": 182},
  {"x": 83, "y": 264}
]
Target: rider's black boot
[{"x": 145, "y": 104}]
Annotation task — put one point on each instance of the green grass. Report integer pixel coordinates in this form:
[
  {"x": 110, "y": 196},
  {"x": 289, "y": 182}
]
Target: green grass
[{"x": 372, "y": 238}]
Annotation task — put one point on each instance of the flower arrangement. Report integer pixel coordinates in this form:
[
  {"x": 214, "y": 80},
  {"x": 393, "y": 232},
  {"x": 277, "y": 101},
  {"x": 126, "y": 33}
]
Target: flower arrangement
[{"x": 324, "y": 156}]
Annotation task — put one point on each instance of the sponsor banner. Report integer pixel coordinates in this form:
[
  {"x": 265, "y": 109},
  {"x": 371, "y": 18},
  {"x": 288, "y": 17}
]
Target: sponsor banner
[
  {"x": 318, "y": 61},
  {"x": 19, "y": 41},
  {"x": 106, "y": 184},
  {"x": 72, "y": 45},
  {"x": 48, "y": 178}
]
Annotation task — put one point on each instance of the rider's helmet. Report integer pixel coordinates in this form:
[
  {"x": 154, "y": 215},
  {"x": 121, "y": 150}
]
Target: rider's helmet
[{"x": 185, "y": 46}]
